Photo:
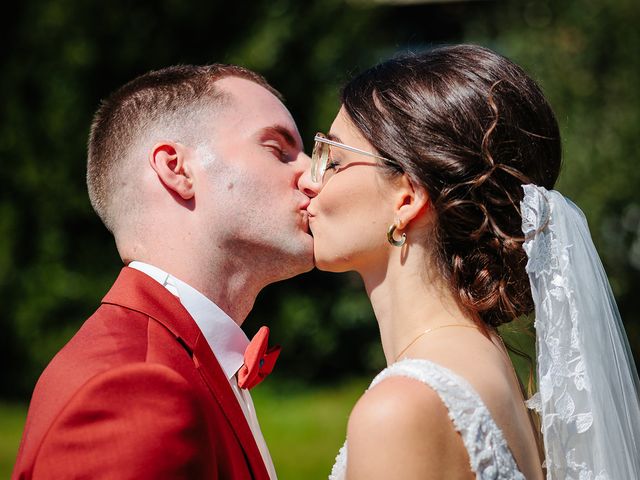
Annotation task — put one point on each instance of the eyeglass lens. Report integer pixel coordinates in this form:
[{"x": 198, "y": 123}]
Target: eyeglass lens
[{"x": 319, "y": 159}]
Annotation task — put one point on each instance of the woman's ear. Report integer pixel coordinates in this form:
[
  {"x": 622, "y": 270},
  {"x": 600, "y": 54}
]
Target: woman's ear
[
  {"x": 169, "y": 161},
  {"x": 412, "y": 202}
]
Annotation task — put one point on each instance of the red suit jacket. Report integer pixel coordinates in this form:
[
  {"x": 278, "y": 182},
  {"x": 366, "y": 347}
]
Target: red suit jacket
[{"x": 137, "y": 393}]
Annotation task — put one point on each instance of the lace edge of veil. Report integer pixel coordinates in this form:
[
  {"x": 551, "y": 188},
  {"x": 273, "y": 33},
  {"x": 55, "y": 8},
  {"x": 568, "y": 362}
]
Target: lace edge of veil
[{"x": 573, "y": 304}]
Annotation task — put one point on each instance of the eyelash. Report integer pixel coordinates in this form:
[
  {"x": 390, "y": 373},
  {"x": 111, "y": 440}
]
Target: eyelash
[
  {"x": 280, "y": 153},
  {"x": 332, "y": 164}
]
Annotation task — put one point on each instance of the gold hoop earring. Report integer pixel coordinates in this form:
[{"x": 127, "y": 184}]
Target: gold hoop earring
[{"x": 393, "y": 241}]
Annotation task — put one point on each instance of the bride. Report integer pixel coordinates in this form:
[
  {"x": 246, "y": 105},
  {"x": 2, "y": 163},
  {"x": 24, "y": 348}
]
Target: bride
[{"x": 435, "y": 185}]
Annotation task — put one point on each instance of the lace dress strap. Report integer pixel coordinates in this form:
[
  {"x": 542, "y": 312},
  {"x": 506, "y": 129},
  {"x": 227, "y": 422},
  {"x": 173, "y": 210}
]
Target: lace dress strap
[
  {"x": 489, "y": 454},
  {"x": 488, "y": 451}
]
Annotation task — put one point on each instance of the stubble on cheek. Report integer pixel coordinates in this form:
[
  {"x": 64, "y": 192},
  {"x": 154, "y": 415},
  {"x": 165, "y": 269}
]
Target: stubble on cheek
[{"x": 258, "y": 220}]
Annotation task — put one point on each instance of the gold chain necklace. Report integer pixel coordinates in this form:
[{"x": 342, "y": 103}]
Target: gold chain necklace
[{"x": 429, "y": 330}]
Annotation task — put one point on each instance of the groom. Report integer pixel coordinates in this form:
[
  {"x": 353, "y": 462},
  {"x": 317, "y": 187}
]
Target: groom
[{"x": 198, "y": 173}]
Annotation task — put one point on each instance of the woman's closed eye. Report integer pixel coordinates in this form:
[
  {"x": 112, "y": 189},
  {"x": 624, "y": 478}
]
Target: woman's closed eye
[
  {"x": 333, "y": 164},
  {"x": 334, "y": 161}
]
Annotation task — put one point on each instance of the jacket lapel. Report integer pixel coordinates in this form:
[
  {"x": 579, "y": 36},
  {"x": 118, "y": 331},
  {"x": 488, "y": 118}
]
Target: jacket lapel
[
  {"x": 137, "y": 291},
  {"x": 218, "y": 384}
]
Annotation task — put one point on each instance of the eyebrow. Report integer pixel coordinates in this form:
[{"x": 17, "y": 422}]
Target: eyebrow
[
  {"x": 279, "y": 131},
  {"x": 333, "y": 137}
]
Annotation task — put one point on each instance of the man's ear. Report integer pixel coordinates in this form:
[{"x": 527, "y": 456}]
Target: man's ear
[
  {"x": 169, "y": 161},
  {"x": 412, "y": 202}
]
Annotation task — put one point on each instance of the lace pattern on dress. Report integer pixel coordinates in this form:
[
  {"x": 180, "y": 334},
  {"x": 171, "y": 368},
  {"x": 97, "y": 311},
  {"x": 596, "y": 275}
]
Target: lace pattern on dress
[
  {"x": 562, "y": 377},
  {"x": 489, "y": 454}
]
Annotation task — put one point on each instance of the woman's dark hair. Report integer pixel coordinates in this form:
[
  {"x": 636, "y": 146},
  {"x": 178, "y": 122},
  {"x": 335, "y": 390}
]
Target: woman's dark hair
[{"x": 471, "y": 127}]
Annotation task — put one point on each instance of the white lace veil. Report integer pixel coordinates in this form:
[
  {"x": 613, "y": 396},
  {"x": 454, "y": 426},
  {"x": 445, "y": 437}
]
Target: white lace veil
[{"x": 587, "y": 381}]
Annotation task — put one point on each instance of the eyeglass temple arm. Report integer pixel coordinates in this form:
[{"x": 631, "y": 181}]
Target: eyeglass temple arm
[{"x": 347, "y": 147}]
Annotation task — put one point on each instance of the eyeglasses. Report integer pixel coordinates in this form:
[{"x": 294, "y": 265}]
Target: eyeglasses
[{"x": 321, "y": 153}]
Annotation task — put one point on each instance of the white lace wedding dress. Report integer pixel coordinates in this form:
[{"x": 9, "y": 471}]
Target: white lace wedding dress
[{"x": 488, "y": 451}]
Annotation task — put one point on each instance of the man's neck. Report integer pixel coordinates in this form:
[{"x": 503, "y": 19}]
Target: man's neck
[{"x": 232, "y": 290}]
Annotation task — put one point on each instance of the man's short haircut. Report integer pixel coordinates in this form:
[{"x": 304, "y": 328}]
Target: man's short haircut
[{"x": 170, "y": 100}]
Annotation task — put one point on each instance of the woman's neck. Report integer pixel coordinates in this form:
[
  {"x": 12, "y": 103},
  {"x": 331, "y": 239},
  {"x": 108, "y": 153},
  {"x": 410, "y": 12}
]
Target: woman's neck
[{"x": 408, "y": 297}]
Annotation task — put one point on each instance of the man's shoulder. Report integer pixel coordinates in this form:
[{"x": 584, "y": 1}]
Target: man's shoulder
[
  {"x": 126, "y": 328},
  {"x": 113, "y": 342},
  {"x": 111, "y": 337},
  {"x": 114, "y": 336},
  {"x": 134, "y": 403}
]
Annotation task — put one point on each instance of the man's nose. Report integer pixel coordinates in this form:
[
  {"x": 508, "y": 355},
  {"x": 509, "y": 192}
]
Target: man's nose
[{"x": 305, "y": 184}]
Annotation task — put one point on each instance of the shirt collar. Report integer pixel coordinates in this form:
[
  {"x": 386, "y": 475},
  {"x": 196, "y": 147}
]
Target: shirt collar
[{"x": 225, "y": 337}]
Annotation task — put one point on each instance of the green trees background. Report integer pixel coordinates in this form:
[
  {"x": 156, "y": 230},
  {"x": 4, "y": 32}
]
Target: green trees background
[{"x": 59, "y": 58}]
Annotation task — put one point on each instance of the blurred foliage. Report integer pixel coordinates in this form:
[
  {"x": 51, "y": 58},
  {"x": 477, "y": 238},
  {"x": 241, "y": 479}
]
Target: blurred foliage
[{"x": 60, "y": 57}]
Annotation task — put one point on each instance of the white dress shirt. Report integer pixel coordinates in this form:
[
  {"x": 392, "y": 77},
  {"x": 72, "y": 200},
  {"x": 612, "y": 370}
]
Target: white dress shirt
[{"x": 226, "y": 339}]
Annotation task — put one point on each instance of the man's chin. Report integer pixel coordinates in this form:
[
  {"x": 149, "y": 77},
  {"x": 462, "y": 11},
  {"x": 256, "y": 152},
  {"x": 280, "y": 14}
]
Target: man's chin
[
  {"x": 292, "y": 270},
  {"x": 302, "y": 263},
  {"x": 309, "y": 262}
]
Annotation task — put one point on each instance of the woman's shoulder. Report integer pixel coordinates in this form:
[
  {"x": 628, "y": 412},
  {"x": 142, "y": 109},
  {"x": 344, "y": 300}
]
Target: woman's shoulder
[
  {"x": 402, "y": 402},
  {"x": 402, "y": 418}
]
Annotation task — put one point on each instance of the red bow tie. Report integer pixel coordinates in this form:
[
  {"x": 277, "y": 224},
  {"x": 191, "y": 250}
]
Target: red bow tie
[{"x": 258, "y": 360}]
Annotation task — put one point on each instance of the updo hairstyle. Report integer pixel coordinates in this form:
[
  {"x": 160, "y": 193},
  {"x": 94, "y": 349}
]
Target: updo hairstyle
[{"x": 471, "y": 127}]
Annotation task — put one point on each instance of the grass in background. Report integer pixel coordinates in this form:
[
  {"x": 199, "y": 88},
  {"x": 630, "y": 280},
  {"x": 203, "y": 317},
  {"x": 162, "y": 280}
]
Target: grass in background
[
  {"x": 305, "y": 428},
  {"x": 12, "y": 418}
]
